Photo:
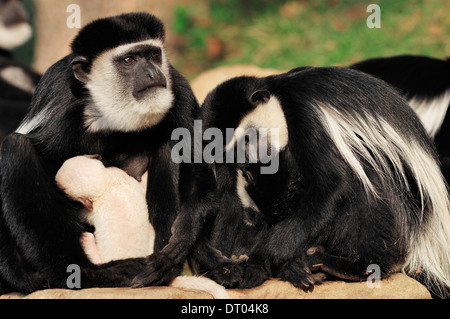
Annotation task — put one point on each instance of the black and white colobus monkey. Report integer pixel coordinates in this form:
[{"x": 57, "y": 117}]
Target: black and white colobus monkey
[
  {"x": 17, "y": 81},
  {"x": 425, "y": 82},
  {"x": 115, "y": 95},
  {"x": 358, "y": 183}
]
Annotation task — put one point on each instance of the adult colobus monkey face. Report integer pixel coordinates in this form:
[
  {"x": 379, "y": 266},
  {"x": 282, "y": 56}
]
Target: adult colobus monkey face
[
  {"x": 14, "y": 27},
  {"x": 256, "y": 118},
  {"x": 131, "y": 81}
]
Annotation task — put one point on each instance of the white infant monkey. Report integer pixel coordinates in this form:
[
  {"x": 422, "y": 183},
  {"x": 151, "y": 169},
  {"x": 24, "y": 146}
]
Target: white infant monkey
[{"x": 116, "y": 206}]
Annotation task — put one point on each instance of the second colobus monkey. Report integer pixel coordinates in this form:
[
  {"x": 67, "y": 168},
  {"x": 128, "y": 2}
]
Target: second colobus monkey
[{"x": 358, "y": 184}]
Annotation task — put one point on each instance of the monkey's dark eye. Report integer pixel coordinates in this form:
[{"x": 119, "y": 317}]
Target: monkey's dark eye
[
  {"x": 129, "y": 60},
  {"x": 156, "y": 55}
]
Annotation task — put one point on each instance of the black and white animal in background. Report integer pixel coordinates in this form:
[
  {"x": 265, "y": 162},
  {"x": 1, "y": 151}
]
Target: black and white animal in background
[
  {"x": 17, "y": 81},
  {"x": 425, "y": 82},
  {"x": 115, "y": 95},
  {"x": 358, "y": 184}
]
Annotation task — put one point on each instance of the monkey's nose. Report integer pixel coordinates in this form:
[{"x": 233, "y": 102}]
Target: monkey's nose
[
  {"x": 155, "y": 76},
  {"x": 149, "y": 77},
  {"x": 150, "y": 72}
]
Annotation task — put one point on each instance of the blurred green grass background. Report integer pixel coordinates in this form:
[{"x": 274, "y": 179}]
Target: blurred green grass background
[{"x": 286, "y": 34}]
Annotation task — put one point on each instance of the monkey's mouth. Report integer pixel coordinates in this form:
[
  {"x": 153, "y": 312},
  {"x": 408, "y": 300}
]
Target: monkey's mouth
[{"x": 139, "y": 94}]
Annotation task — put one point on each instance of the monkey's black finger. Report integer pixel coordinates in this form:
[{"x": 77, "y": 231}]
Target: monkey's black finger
[{"x": 159, "y": 270}]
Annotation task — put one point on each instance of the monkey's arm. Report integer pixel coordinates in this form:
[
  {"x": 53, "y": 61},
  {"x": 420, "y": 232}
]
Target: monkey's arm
[
  {"x": 197, "y": 189},
  {"x": 215, "y": 246},
  {"x": 279, "y": 250},
  {"x": 134, "y": 165},
  {"x": 178, "y": 195}
]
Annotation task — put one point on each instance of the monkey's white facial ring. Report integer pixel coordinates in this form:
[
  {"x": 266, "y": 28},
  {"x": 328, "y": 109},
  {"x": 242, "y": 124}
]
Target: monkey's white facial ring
[{"x": 117, "y": 105}]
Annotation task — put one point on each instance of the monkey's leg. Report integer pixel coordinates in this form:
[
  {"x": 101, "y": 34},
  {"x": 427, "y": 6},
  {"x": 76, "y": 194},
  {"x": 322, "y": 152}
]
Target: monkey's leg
[
  {"x": 163, "y": 266},
  {"x": 90, "y": 247},
  {"x": 340, "y": 267},
  {"x": 215, "y": 247},
  {"x": 13, "y": 267}
]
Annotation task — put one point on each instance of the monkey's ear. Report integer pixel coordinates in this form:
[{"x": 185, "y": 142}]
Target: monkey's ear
[
  {"x": 88, "y": 204},
  {"x": 79, "y": 67},
  {"x": 260, "y": 97}
]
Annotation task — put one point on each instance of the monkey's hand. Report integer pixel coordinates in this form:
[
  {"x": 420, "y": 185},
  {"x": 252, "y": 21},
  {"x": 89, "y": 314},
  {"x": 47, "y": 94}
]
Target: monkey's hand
[
  {"x": 244, "y": 275},
  {"x": 159, "y": 270},
  {"x": 298, "y": 272}
]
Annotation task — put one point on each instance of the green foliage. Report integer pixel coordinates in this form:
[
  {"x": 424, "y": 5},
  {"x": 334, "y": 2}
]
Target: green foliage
[
  {"x": 182, "y": 19},
  {"x": 286, "y": 34}
]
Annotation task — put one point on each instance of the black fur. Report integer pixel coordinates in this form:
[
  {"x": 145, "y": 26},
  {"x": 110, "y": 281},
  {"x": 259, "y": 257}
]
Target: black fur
[
  {"x": 417, "y": 77},
  {"x": 40, "y": 226},
  {"x": 92, "y": 41},
  {"x": 315, "y": 198}
]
